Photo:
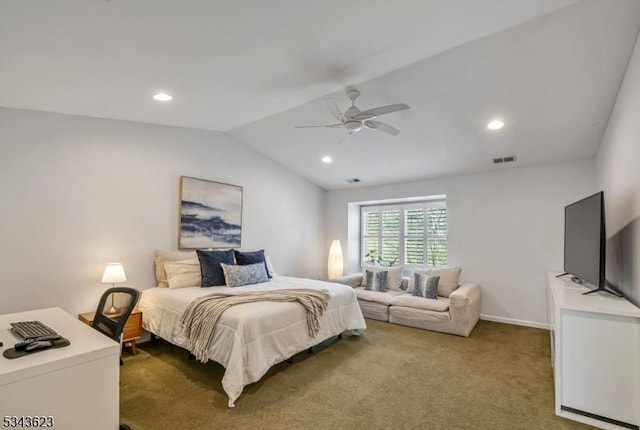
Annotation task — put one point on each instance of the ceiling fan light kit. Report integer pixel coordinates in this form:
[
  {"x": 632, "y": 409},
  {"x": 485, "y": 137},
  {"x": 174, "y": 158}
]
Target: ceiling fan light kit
[
  {"x": 353, "y": 126},
  {"x": 353, "y": 119}
]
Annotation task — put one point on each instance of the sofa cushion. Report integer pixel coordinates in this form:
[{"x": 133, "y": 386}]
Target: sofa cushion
[
  {"x": 449, "y": 278},
  {"x": 376, "y": 296},
  {"x": 373, "y": 310},
  {"x": 411, "y": 301},
  {"x": 420, "y": 318},
  {"x": 394, "y": 275}
]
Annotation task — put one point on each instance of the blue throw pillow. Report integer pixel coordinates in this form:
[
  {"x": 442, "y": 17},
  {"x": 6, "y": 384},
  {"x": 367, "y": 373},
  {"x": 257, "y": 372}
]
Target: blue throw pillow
[
  {"x": 210, "y": 268},
  {"x": 246, "y": 258}
]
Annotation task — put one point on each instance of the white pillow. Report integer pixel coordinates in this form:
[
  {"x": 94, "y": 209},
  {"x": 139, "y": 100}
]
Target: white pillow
[
  {"x": 394, "y": 275},
  {"x": 449, "y": 279},
  {"x": 183, "y": 273},
  {"x": 270, "y": 268},
  {"x": 164, "y": 256}
]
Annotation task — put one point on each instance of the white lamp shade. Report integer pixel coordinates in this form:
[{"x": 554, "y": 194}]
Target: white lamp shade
[
  {"x": 113, "y": 274},
  {"x": 335, "y": 260}
]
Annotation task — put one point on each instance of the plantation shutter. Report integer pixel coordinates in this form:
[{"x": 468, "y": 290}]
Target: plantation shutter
[
  {"x": 437, "y": 237},
  {"x": 370, "y": 233},
  {"x": 391, "y": 236},
  {"x": 413, "y": 234}
]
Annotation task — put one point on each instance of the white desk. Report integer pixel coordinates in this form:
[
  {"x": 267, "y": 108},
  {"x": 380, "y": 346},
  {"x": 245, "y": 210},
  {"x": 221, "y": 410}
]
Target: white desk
[
  {"x": 77, "y": 385},
  {"x": 595, "y": 346}
]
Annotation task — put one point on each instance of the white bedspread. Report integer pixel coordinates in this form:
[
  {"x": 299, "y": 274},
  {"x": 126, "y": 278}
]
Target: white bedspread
[{"x": 252, "y": 337}]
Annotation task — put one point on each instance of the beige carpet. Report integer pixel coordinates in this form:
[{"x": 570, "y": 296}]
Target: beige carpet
[{"x": 391, "y": 377}]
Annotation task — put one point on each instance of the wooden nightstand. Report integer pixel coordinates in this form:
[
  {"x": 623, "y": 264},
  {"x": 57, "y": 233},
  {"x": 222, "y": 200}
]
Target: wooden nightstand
[{"x": 132, "y": 329}]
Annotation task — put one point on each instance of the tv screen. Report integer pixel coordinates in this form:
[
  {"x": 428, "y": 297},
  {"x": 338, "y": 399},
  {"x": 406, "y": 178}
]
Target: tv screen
[{"x": 584, "y": 240}]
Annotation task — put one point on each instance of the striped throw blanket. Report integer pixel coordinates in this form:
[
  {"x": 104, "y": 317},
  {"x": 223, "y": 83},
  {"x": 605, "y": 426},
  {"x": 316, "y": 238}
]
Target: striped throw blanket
[{"x": 201, "y": 316}]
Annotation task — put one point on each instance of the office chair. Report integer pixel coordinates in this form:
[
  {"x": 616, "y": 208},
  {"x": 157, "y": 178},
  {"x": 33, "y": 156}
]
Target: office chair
[{"x": 109, "y": 319}]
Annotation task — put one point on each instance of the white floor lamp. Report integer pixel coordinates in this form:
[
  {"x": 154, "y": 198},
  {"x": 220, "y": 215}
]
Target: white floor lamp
[{"x": 335, "y": 264}]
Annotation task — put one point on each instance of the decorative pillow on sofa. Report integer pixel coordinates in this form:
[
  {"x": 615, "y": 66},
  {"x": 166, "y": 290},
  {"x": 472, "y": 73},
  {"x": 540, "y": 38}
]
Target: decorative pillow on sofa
[
  {"x": 375, "y": 281},
  {"x": 448, "y": 283},
  {"x": 183, "y": 273},
  {"x": 212, "y": 274},
  {"x": 162, "y": 256},
  {"x": 394, "y": 275},
  {"x": 245, "y": 258},
  {"x": 237, "y": 276},
  {"x": 425, "y": 286}
]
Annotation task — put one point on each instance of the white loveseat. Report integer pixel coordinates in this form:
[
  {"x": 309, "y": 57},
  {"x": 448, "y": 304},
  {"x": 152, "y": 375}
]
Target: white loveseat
[{"x": 456, "y": 314}]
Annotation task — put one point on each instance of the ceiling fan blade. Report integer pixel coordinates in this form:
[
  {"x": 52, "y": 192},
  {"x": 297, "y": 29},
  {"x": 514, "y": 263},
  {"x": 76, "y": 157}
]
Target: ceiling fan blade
[
  {"x": 314, "y": 126},
  {"x": 363, "y": 117},
  {"x": 382, "y": 110},
  {"x": 344, "y": 137},
  {"x": 381, "y": 126},
  {"x": 333, "y": 108}
]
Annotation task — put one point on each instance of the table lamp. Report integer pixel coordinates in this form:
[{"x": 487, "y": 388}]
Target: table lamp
[{"x": 113, "y": 274}]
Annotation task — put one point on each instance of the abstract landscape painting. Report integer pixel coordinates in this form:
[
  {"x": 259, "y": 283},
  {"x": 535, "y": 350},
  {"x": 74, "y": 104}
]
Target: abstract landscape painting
[{"x": 210, "y": 214}]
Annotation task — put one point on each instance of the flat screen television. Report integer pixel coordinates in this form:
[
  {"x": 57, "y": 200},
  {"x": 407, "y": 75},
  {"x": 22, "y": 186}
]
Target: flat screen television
[{"x": 585, "y": 243}]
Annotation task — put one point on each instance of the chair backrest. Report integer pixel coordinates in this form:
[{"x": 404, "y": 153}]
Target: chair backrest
[{"x": 112, "y": 323}]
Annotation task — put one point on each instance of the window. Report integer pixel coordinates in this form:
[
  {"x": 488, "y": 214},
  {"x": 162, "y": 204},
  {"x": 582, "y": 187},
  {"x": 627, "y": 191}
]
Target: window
[{"x": 413, "y": 234}]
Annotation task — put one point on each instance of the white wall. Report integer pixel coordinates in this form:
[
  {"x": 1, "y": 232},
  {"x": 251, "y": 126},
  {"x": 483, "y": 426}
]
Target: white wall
[
  {"x": 506, "y": 229},
  {"x": 619, "y": 176},
  {"x": 79, "y": 192}
]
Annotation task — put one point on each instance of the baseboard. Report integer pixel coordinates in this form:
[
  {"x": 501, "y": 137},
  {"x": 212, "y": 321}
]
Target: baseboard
[{"x": 515, "y": 322}]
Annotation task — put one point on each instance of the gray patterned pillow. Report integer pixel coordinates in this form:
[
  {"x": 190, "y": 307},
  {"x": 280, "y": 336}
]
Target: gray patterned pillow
[
  {"x": 375, "y": 281},
  {"x": 237, "y": 276},
  {"x": 426, "y": 286}
]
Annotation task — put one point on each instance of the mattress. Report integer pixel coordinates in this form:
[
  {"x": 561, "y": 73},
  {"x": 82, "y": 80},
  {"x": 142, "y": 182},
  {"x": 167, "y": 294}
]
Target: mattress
[{"x": 252, "y": 337}]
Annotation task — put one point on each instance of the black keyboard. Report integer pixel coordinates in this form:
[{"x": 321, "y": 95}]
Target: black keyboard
[{"x": 32, "y": 329}]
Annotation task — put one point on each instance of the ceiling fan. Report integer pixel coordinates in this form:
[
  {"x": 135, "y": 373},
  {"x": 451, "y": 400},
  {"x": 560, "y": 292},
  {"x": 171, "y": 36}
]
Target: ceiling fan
[{"x": 354, "y": 120}]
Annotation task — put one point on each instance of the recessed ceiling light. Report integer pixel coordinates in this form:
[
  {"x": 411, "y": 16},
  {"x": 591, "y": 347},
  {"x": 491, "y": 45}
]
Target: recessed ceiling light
[
  {"x": 162, "y": 97},
  {"x": 496, "y": 124},
  {"x": 327, "y": 159}
]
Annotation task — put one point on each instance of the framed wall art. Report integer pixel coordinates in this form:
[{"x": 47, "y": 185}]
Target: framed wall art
[{"x": 210, "y": 214}]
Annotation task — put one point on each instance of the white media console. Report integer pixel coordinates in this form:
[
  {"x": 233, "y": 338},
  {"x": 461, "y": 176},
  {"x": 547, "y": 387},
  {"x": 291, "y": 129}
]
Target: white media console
[{"x": 595, "y": 353}]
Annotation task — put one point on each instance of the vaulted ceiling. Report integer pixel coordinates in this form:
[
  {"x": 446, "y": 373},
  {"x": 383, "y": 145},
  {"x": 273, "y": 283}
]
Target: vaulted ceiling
[{"x": 550, "y": 69}]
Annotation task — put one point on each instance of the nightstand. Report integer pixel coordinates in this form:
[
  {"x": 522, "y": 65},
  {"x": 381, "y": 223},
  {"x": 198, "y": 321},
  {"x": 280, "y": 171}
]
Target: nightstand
[{"x": 132, "y": 329}]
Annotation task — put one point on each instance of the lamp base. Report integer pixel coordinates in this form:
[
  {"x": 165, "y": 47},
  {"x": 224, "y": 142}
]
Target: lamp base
[{"x": 113, "y": 309}]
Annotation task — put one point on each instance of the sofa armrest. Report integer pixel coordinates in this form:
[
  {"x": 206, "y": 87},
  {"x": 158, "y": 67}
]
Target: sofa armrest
[
  {"x": 354, "y": 280},
  {"x": 464, "y": 307},
  {"x": 463, "y": 295}
]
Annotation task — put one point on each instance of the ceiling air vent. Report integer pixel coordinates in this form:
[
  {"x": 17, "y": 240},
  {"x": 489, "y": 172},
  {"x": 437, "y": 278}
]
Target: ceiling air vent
[
  {"x": 352, "y": 180},
  {"x": 502, "y": 160}
]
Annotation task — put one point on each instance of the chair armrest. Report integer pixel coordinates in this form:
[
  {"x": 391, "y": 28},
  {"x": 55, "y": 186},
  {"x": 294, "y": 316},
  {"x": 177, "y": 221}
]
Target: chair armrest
[{"x": 354, "y": 280}]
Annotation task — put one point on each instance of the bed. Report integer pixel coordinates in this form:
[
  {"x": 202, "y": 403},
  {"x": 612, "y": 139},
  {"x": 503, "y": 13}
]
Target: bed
[{"x": 252, "y": 337}]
